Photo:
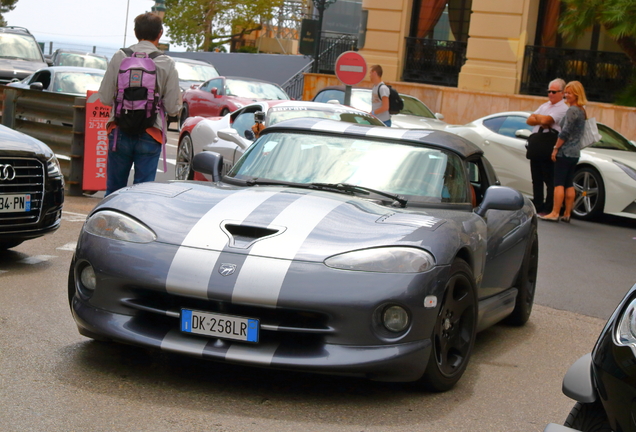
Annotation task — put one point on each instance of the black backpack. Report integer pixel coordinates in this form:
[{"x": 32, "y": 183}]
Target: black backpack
[{"x": 396, "y": 104}]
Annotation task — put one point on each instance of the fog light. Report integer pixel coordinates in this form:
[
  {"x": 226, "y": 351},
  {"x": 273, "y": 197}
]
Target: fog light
[
  {"x": 395, "y": 319},
  {"x": 87, "y": 277}
]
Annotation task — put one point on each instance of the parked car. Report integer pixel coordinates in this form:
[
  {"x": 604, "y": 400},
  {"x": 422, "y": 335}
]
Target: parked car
[
  {"x": 415, "y": 115},
  {"x": 31, "y": 189},
  {"x": 329, "y": 247},
  {"x": 222, "y": 95},
  {"x": 66, "y": 57},
  {"x": 200, "y": 134},
  {"x": 605, "y": 179},
  {"x": 20, "y": 54},
  {"x": 63, "y": 79},
  {"x": 193, "y": 72},
  {"x": 604, "y": 382}
]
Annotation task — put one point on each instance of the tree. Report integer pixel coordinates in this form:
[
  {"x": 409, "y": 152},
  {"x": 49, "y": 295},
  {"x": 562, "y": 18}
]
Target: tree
[
  {"x": 6, "y": 6},
  {"x": 616, "y": 16},
  {"x": 201, "y": 25}
]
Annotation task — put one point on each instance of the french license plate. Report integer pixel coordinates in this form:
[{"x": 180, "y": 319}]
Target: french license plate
[
  {"x": 221, "y": 326},
  {"x": 15, "y": 203}
]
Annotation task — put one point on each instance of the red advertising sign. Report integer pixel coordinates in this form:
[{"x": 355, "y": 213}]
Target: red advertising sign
[
  {"x": 95, "y": 144},
  {"x": 351, "y": 68}
]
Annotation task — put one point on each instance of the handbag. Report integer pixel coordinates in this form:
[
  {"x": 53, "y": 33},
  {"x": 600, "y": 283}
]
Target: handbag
[
  {"x": 540, "y": 144},
  {"x": 590, "y": 133}
]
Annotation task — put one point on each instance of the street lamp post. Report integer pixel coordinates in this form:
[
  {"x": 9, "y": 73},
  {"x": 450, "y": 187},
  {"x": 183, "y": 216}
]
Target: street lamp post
[{"x": 321, "y": 5}]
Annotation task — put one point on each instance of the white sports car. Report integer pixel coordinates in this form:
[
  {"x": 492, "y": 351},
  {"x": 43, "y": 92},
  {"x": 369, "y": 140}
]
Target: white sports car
[{"x": 605, "y": 180}]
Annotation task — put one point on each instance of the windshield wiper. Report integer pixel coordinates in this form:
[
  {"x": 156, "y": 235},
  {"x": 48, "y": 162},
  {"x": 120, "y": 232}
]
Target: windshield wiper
[{"x": 351, "y": 188}]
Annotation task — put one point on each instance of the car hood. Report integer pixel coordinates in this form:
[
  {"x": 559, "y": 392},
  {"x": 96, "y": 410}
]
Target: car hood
[
  {"x": 282, "y": 223},
  {"x": 19, "y": 69},
  {"x": 13, "y": 143},
  {"x": 416, "y": 122},
  {"x": 625, "y": 157}
]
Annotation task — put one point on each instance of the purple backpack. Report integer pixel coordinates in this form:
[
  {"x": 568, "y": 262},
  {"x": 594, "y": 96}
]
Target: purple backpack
[{"x": 137, "y": 102}]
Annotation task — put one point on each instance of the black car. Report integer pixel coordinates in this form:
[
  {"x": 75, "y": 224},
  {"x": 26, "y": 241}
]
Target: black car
[
  {"x": 20, "y": 54},
  {"x": 31, "y": 188},
  {"x": 604, "y": 382}
]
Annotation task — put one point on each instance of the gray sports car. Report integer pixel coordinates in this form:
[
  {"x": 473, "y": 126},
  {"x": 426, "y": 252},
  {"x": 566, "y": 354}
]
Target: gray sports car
[{"x": 329, "y": 247}]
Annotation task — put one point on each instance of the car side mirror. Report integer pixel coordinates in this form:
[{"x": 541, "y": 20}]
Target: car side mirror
[
  {"x": 215, "y": 92},
  {"x": 500, "y": 198},
  {"x": 523, "y": 133},
  {"x": 36, "y": 86},
  {"x": 232, "y": 135},
  {"x": 439, "y": 116},
  {"x": 210, "y": 163}
]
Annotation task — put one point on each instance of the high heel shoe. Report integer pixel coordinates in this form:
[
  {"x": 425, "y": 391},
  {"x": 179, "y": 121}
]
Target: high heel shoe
[
  {"x": 565, "y": 219},
  {"x": 549, "y": 219}
]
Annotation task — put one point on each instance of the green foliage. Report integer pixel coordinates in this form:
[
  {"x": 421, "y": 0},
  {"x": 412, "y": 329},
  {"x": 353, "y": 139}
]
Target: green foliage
[
  {"x": 6, "y": 6},
  {"x": 628, "y": 96},
  {"x": 202, "y": 25},
  {"x": 247, "y": 49}
]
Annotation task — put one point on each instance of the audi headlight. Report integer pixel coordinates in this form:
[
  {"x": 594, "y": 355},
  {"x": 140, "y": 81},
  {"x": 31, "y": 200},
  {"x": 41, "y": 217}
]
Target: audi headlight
[
  {"x": 626, "y": 335},
  {"x": 384, "y": 260},
  {"x": 628, "y": 170},
  {"x": 53, "y": 168},
  {"x": 118, "y": 226}
]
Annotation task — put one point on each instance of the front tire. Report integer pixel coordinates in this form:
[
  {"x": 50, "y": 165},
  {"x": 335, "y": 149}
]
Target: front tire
[
  {"x": 455, "y": 329},
  {"x": 185, "y": 154},
  {"x": 588, "y": 417},
  {"x": 225, "y": 112},
  {"x": 590, "y": 194},
  {"x": 526, "y": 282},
  {"x": 183, "y": 116}
]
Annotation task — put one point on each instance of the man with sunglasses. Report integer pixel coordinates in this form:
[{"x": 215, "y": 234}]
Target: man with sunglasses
[{"x": 546, "y": 118}]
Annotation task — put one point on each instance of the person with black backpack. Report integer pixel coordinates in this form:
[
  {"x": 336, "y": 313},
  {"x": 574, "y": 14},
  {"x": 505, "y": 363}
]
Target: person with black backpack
[
  {"x": 379, "y": 95},
  {"x": 141, "y": 85}
]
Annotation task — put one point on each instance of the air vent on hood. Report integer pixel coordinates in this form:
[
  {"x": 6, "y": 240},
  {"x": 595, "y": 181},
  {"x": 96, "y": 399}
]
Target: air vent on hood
[{"x": 243, "y": 236}]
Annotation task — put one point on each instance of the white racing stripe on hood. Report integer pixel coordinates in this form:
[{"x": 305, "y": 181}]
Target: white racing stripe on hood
[
  {"x": 331, "y": 126},
  {"x": 387, "y": 132},
  {"x": 195, "y": 260},
  {"x": 260, "y": 279}
]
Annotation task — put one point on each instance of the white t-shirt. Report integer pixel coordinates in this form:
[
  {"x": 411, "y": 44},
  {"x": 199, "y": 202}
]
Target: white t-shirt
[
  {"x": 376, "y": 102},
  {"x": 556, "y": 111}
]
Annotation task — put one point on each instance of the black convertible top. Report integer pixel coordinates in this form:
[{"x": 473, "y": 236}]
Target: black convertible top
[{"x": 430, "y": 137}]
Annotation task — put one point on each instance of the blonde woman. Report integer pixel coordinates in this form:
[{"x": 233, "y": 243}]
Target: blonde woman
[{"x": 567, "y": 151}]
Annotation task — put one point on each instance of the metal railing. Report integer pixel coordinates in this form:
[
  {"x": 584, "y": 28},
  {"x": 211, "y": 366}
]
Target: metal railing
[
  {"x": 56, "y": 119},
  {"x": 295, "y": 85},
  {"x": 330, "y": 49},
  {"x": 431, "y": 61},
  {"x": 603, "y": 74}
]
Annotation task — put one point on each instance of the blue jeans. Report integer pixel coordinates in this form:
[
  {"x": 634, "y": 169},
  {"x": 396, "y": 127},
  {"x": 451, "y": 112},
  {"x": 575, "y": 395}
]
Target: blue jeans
[
  {"x": 387, "y": 122},
  {"x": 141, "y": 150}
]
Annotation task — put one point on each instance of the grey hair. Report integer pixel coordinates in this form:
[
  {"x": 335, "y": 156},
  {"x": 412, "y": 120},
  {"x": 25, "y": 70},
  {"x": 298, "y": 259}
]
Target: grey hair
[{"x": 558, "y": 81}]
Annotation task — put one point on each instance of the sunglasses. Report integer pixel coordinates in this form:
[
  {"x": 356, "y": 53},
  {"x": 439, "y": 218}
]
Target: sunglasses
[{"x": 554, "y": 91}]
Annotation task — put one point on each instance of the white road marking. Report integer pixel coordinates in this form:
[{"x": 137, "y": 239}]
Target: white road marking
[
  {"x": 73, "y": 217},
  {"x": 68, "y": 247},
  {"x": 37, "y": 259}
]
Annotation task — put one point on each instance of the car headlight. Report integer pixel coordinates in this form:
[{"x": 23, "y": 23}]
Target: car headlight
[
  {"x": 628, "y": 170},
  {"x": 53, "y": 168},
  {"x": 385, "y": 260},
  {"x": 117, "y": 226},
  {"x": 626, "y": 334}
]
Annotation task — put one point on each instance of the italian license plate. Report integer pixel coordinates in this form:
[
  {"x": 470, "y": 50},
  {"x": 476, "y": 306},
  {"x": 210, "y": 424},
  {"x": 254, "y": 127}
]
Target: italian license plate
[
  {"x": 220, "y": 326},
  {"x": 15, "y": 203}
]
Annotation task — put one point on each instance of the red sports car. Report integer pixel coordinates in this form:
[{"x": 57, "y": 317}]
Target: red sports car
[{"x": 222, "y": 95}]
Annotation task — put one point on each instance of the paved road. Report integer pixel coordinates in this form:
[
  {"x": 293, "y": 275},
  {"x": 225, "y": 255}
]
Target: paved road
[{"x": 53, "y": 379}]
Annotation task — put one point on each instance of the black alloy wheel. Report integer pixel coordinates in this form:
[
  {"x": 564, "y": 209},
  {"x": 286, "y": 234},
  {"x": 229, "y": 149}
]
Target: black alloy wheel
[
  {"x": 526, "y": 282},
  {"x": 454, "y": 333},
  {"x": 590, "y": 194},
  {"x": 225, "y": 112}
]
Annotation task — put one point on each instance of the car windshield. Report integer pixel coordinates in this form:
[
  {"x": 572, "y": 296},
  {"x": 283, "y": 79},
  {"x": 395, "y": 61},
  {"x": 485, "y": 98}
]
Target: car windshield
[
  {"x": 254, "y": 89},
  {"x": 20, "y": 47},
  {"x": 81, "y": 60},
  {"x": 612, "y": 140},
  {"x": 76, "y": 82},
  {"x": 413, "y": 106},
  {"x": 195, "y": 72},
  {"x": 430, "y": 174},
  {"x": 278, "y": 114}
]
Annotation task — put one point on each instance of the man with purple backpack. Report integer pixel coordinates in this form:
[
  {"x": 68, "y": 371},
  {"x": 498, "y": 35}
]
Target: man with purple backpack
[{"x": 141, "y": 85}]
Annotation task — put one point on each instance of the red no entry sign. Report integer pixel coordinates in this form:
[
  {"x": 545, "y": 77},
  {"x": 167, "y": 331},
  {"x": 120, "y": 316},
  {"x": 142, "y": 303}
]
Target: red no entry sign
[{"x": 351, "y": 68}]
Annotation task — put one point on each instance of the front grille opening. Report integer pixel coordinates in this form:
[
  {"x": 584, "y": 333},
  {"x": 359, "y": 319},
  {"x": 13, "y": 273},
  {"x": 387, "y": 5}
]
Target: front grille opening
[{"x": 29, "y": 180}]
